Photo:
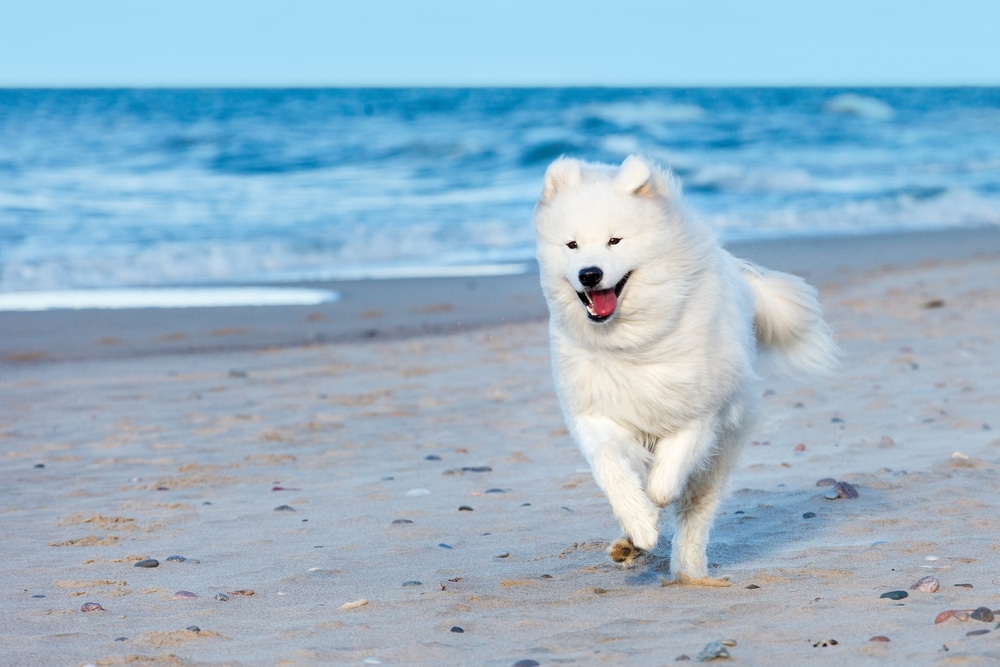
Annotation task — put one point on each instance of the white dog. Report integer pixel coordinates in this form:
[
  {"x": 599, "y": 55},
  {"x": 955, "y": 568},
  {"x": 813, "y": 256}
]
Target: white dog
[{"x": 655, "y": 337}]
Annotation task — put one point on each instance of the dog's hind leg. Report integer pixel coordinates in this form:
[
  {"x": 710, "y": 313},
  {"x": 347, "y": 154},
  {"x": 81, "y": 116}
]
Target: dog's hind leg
[
  {"x": 695, "y": 511},
  {"x": 619, "y": 463}
]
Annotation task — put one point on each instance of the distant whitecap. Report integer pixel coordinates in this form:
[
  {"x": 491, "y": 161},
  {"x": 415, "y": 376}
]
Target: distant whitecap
[
  {"x": 195, "y": 297},
  {"x": 852, "y": 104}
]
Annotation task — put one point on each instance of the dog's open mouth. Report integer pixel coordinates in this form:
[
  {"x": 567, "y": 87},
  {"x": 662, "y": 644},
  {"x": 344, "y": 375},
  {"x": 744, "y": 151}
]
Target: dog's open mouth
[{"x": 602, "y": 303}]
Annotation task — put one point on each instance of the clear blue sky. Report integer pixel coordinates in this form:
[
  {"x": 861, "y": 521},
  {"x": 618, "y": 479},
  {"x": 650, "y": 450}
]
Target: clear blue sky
[{"x": 508, "y": 42}]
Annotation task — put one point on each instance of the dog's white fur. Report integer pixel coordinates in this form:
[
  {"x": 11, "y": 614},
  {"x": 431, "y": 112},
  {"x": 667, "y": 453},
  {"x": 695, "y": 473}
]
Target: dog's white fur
[{"x": 660, "y": 396}]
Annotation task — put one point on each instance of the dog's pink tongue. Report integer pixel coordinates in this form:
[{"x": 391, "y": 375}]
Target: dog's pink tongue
[{"x": 604, "y": 302}]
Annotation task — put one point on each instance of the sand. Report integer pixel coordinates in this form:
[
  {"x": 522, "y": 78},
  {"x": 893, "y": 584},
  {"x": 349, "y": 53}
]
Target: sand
[{"x": 417, "y": 500}]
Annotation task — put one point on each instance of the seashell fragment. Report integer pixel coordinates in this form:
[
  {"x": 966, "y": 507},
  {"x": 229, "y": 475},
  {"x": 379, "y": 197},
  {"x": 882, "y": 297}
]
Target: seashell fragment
[
  {"x": 355, "y": 604},
  {"x": 91, "y": 606},
  {"x": 926, "y": 584}
]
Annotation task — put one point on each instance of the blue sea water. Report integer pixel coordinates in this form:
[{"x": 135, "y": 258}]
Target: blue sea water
[{"x": 120, "y": 188}]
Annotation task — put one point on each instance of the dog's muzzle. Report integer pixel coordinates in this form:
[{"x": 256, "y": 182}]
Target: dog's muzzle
[{"x": 600, "y": 303}]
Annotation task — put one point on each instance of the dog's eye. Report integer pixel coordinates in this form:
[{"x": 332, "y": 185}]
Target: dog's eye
[
  {"x": 614, "y": 240},
  {"x": 571, "y": 245}
]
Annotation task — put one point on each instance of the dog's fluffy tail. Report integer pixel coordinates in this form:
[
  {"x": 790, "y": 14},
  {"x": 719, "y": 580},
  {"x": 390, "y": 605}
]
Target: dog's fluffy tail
[{"x": 789, "y": 320}]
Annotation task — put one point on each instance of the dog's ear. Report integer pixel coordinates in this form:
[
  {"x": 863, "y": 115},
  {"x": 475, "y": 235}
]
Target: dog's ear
[
  {"x": 636, "y": 177},
  {"x": 561, "y": 174}
]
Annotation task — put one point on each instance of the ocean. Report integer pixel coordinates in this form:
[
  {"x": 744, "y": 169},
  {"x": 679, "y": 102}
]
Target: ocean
[{"x": 136, "y": 188}]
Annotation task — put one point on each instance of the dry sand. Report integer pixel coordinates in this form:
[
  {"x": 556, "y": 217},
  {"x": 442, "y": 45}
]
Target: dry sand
[{"x": 376, "y": 447}]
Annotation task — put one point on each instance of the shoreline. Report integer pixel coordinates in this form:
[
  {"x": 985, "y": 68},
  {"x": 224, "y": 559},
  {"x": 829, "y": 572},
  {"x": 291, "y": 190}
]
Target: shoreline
[{"x": 394, "y": 309}]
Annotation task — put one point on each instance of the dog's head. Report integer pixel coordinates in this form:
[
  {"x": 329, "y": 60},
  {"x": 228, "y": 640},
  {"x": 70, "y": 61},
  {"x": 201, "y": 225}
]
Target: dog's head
[{"x": 602, "y": 233}]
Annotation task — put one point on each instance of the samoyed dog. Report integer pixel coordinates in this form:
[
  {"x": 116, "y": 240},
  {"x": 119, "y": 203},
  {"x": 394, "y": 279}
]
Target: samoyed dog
[{"x": 656, "y": 334}]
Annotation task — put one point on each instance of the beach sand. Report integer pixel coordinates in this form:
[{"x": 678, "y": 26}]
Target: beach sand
[{"x": 411, "y": 496}]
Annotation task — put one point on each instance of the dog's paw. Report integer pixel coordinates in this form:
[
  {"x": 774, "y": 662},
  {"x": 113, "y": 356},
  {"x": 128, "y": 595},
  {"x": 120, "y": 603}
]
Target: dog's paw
[
  {"x": 682, "y": 579},
  {"x": 659, "y": 488},
  {"x": 624, "y": 552}
]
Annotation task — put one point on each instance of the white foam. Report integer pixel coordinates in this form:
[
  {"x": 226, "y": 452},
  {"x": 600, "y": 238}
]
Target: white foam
[
  {"x": 859, "y": 105},
  {"x": 388, "y": 272},
  {"x": 197, "y": 297}
]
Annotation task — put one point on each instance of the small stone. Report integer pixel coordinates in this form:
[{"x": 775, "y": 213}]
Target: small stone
[
  {"x": 412, "y": 582},
  {"x": 846, "y": 490},
  {"x": 398, "y": 521},
  {"x": 973, "y": 633},
  {"x": 984, "y": 614},
  {"x": 445, "y": 546},
  {"x": 926, "y": 584},
  {"x": 826, "y": 481},
  {"x": 221, "y": 597},
  {"x": 879, "y": 638},
  {"x": 895, "y": 595},
  {"x": 808, "y": 515},
  {"x": 121, "y": 639},
  {"x": 496, "y": 491},
  {"x": 477, "y": 469},
  {"x": 39, "y": 465},
  {"x": 831, "y": 495},
  {"x": 944, "y": 616},
  {"x": 465, "y": 508},
  {"x": 148, "y": 562},
  {"x": 964, "y": 585},
  {"x": 457, "y": 629},
  {"x": 176, "y": 559},
  {"x": 432, "y": 457},
  {"x": 752, "y": 587},
  {"x": 184, "y": 595},
  {"x": 284, "y": 508},
  {"x": 712, "y": 651},
  {"x": 503, "y": 555},
  {"x": 962, "y": 615},
  {"x": 837, "y": 420},
  {"x": 526, "y": 663},
  {"x": 91, "y": 606}
]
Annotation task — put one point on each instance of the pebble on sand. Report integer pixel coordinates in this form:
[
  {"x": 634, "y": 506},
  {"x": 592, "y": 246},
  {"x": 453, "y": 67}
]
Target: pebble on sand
[
  {"x": 399, "y": 521},
  {"x": 713, "y": 651},
  {"x": 148, "y": 562},
  {"x": 284, "y": 508},
  {"x": 221, "y": 597},
  {"x": 465, "y": 508},
  {"x": 973, "y": 633},
  {"x": 91, "y": 606},
  {"x": 880, "y": 638},
  {"x": 412, "y": 582},
  {"x": 176, "y": 559},
  {"x": 456, "y": 628},
  {"x": 826, "y": 481},
  {"x": 984, "y": 614},
  {"x": 184, "y": 595},
  {"x": 926, "y": 584},
  {"x": 526, "y": 663},
  {"x": 895, "y": 595}
]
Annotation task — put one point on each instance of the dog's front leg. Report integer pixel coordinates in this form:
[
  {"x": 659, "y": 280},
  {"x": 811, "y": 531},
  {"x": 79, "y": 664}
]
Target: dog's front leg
[
  {"x": 676, "y": 457},
  {"x": 619, "y": 463}
]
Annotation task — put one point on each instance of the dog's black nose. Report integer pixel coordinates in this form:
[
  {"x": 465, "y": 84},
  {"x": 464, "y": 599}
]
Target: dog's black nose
[{"x": 591, "y": 276}]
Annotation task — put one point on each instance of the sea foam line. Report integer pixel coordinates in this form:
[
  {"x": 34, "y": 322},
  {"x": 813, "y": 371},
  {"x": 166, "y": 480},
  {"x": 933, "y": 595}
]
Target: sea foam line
[{"x": 195, "y": 297}]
